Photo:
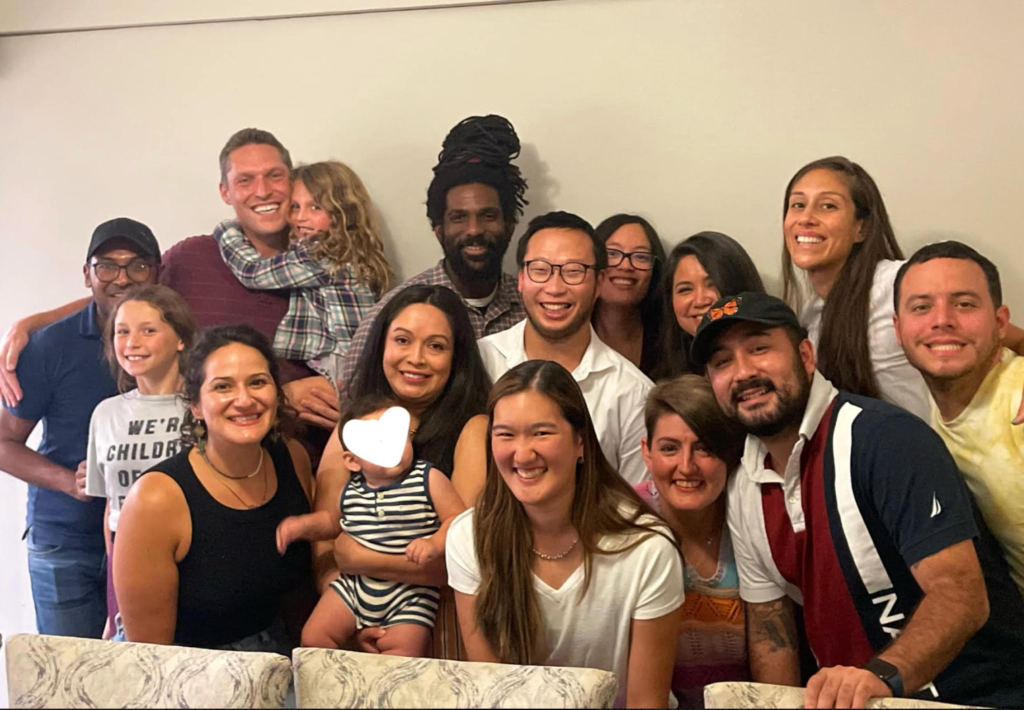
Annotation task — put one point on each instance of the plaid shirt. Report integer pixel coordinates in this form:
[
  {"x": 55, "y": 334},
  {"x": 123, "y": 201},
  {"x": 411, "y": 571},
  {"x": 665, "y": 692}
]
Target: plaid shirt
[
  {"x": 324, "y": 311},
  {"x": 503, "y": 312}
]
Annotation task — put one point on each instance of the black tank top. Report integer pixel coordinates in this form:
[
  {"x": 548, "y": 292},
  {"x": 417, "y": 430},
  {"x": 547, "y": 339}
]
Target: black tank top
[{"x": 232, "y": 582}]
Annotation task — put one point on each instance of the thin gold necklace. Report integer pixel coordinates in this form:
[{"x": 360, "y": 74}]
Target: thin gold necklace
[
  {"x": 233, "y": 478},
  {"x": 552, "y": 558},
  {"x": 249, "y": 506}
]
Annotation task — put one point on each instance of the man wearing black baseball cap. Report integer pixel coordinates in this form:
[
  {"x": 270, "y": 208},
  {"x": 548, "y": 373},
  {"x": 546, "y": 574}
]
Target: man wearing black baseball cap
[
  {"x": 853, "y": 508},
  {"x": 65, "y": 376}
]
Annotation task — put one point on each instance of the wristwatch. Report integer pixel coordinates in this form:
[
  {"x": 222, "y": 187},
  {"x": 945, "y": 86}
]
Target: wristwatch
[{"x": 888, "y": 674}]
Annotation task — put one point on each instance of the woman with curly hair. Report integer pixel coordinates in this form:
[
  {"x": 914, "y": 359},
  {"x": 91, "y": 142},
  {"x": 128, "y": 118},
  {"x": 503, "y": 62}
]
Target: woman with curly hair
[{"x": 335, "y": 267}]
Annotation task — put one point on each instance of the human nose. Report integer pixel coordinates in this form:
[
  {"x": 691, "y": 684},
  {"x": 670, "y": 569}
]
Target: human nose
[
  {"x": 686, "y": 463},
  {"x": 416, "y": 354},
  {"x": 122, "y": 276},
  {"x": 704, "y": 297},
  {"x": 243, "y": 398},
  {"x": 474, "y": 225},
  {"x": 743, "y": 367},
  {"x": 943, "y": 316}
]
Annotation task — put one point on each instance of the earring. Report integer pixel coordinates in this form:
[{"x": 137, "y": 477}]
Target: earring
[
  {"x": 199, "y": 432},
  {"x": 579, "y": 461}
]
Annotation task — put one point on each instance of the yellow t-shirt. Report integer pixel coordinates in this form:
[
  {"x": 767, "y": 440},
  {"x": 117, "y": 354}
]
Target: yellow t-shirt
[{"x": 989, "y": 450}]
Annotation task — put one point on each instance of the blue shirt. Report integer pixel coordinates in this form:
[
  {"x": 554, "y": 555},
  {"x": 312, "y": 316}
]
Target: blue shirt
[{"x": 64, "y": 376}]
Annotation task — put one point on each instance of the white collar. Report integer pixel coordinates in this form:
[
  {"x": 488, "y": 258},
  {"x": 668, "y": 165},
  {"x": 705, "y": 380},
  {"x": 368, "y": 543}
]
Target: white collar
[{"x": 597, "y": 358}]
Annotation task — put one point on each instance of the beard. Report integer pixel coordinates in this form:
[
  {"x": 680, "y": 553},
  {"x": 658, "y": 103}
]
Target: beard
[
  {"x": 769, "y": 421},
  {"x": 486, "y": 268}
]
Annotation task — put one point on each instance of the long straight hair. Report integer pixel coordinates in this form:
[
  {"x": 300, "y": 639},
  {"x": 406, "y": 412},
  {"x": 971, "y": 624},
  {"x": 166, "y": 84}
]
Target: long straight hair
[
  {"x": 464, "y": 394},
  {"x": 730, "y": 268},
  {"x": 507, "y": 612},
  {"x": 843, "y": 351},
  {"x": 173, "y": 310},
  {"x": 652, "y": 308}
]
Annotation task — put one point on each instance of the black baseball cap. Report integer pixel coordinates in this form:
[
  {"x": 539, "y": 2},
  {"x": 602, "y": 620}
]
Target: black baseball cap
[
  {"x": 748, "y": 306},
  {"x": 125, "y": 228}
]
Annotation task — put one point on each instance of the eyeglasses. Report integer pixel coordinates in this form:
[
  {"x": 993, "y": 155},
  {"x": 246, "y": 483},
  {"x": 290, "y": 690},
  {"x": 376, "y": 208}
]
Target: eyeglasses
[
  {"x": 137, "y": 270},
  {"x": 641, "y": 260},
  {"x": 573, "y": 273}
]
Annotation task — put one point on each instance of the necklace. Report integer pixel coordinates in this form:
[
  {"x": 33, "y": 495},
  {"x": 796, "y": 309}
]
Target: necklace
[
  {"x": 560, "y": 555},
  {"x": 248, "y": 506},
  {"x": 216, "y": 470}
]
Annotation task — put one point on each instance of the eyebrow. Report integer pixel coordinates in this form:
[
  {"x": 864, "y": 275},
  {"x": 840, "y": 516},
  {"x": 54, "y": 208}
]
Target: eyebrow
[
  {"x": 400, "y": 329},
  {"x": 826, "y": 192},
  {"x": 534, "y": 425}
]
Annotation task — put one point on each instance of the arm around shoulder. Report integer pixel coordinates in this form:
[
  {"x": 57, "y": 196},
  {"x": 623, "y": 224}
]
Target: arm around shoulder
[{"x": 153, "y": 535}]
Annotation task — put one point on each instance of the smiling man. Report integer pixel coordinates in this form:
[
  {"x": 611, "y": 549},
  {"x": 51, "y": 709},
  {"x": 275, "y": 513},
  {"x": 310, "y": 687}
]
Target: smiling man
[
  {"x": 560, "y": 269},
  {"x": 951, "y": 321},
  {"x": 65, "y": 376},
  {"x": 853, "y": 508},
  {"x": 474, "y": 203}
]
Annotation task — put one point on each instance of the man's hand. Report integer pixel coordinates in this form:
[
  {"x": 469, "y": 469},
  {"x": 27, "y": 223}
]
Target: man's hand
[
  {"x": 422, "y": 550},
  {"x": 844, "y": 687},
  {"x": 315, "y": 400},
  {"x": 79, "y": 488},
  {"x": 14, "y": 341}
]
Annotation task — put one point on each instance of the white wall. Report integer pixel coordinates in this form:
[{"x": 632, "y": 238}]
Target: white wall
[{"x": 695, "y": 112}]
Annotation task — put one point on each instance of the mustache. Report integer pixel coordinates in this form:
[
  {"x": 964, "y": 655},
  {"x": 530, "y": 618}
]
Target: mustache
[{"x": 748, "y": 384}]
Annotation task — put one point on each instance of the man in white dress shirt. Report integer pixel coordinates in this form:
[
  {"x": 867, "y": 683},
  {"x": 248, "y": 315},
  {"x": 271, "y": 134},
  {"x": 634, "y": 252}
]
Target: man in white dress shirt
[{"x": 561, "y": 265}]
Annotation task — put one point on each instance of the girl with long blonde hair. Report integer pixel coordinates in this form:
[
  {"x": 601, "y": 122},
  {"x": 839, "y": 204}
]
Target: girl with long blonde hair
[
  {"x": 561, "y": 563},
  {"x": 335, "y": 267}
]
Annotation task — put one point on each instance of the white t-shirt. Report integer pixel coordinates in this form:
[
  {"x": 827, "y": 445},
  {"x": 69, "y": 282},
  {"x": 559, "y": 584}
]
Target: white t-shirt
[
  {"x": 614, "y": 388},
  {"x": 898, "y": 381},
  {"x": 645, "y": 582},
  {"x": 129, "y": 434}
]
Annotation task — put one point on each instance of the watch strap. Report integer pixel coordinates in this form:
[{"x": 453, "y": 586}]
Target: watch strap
[{"x": 888, "y": 674}]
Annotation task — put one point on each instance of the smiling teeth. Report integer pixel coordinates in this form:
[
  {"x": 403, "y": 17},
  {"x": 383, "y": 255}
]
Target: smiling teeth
[
  {"x": 529, "y": 473},
  {"x": 554, "y": 306},
  {"x": 247, "y": 418},
  {"x": 809, "y": 240},
  {"x": 415, "y": 375},
  {"x": 752, "y": 395},
  {"x": 262, "y": 209},
  {"x": 687, "y": 485},
  {"x": 623, "y": 282},
  {"x": 946, "y": 348}
]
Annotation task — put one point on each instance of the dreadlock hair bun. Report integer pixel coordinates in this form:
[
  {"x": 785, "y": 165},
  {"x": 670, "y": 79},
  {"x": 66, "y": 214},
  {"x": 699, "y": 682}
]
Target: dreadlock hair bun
[{"x": 479, "y": 149}]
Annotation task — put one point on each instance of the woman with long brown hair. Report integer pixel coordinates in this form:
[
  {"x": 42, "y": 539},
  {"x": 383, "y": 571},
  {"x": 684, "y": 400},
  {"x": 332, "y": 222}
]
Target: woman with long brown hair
[
  {"x": 561, "y": 563},
  {"x": 837, "y": 231}
]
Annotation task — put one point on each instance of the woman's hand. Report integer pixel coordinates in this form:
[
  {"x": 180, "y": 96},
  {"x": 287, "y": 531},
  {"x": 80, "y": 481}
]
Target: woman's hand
[{"x": 288, "y": 531}]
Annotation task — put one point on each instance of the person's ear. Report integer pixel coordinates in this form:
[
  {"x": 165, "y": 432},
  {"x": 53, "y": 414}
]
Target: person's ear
[
  {"x": 858, "y": 235},
  {"x": 87, "y": 275},
  {"x": 224, "y": 193},
  {"x": 439, "y": 233},
  {"x": 896, "y": 325},
  {"x": 522, "y": 275},
  {"x": 645, "y": 451},
  {"x": 197, "y": 413},
  {"x": 1002, "y": 320},
  {"x": 806, "y": 349},
  {"x": 351, "y": 463}
]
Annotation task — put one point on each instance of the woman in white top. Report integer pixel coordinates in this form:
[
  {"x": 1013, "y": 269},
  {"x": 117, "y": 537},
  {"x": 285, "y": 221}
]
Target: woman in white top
[
  {"x": 837, "y": 231},
  {"x": 146, "y": 338},
  {"x": 561, "y": 563}
]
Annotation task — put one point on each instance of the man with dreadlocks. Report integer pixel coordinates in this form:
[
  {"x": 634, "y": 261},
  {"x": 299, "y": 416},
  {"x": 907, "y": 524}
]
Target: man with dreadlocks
[{"x": 474, "y": 203}]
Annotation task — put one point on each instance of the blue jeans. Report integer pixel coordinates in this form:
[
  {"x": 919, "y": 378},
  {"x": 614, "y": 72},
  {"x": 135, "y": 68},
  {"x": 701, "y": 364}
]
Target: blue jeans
[{"x": 68, "y": 588}]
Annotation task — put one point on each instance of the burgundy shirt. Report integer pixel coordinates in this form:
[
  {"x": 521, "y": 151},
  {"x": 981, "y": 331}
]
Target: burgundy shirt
[{"x": 195, "y": 269}]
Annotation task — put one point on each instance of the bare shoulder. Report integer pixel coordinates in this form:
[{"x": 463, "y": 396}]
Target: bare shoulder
[
  {"x": 156, "y": 493},
  {"x": 303, "y": 466},
  {"x": 474, "y": 430}
]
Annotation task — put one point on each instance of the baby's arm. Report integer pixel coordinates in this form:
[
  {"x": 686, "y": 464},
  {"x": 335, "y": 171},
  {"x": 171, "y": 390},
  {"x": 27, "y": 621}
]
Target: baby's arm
[
  {"x": 448, "y": 504},
  {"x": 314, "y": 527},
  {"x": 293, "y": 268}
]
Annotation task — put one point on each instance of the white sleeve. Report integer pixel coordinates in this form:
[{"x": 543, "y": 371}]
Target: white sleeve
[
  {"x": 661, "y": 578},
  {"x": 95, "y": 485},
  {"x": 756, "y": 586},
  {"x": 631, "y": 460},
  {"x": 460, "y": 555}
]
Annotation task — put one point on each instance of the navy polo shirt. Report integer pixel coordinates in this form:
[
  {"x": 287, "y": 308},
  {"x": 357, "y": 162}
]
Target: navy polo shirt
[{"x": 64, "y": 376}]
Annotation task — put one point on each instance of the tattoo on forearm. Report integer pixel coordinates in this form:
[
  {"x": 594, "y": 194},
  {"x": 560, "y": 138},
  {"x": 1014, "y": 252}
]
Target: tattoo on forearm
[{"x": 773, "y": 623}]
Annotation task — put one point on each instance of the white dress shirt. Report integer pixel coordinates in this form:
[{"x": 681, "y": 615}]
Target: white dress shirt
[{"x": 614, "y": 388}]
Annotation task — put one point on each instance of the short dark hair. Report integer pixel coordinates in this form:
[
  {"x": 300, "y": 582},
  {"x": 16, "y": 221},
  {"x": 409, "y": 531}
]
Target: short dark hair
[
  {"x": 464, "y": 394},
  {"x": 363, "y": 406},
  {"x": 951, "y": 250},
  {"x": 479, "y": 149},
  {"x": 562, "y": 220},
  {"x": 250, "y": 136}
]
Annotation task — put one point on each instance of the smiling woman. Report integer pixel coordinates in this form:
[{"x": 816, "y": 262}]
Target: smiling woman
[{"x": 196, "y": 560}]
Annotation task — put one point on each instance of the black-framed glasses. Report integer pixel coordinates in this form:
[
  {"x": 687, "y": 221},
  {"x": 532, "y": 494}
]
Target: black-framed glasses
[
  {"x": 137, "y": 270},
  {"x": 573, "y": 273},
  {"x": 641, "y": 260}
]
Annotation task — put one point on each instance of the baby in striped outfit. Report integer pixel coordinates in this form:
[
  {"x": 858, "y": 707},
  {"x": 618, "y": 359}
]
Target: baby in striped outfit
[{"x": 402, "y": 510}]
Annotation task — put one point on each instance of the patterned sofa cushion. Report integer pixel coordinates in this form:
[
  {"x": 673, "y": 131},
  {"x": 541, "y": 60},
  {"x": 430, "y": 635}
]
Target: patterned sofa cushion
[
  {"x": 342, "y": 679},
  {"x": 763, "y": 695},
  {"x": 62, "y": 672}
]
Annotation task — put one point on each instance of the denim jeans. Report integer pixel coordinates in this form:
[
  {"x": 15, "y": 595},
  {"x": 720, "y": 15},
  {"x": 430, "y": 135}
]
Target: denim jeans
[{"x": 68, "y": 588}]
